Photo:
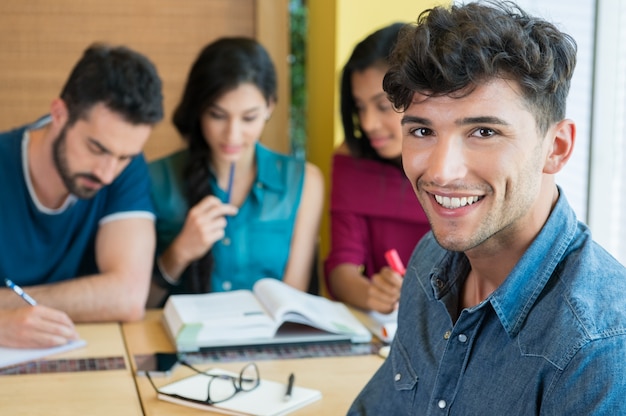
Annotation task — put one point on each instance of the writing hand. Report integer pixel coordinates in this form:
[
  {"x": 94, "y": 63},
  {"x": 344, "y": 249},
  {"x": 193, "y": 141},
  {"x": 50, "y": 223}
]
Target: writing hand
[
  {"x": 35, "y": 327},
  {"x": 384, "y": 290}
]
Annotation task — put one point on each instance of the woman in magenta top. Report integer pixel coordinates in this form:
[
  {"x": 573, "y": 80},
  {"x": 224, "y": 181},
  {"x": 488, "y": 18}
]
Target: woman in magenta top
[{"x": 373, "y": 207}]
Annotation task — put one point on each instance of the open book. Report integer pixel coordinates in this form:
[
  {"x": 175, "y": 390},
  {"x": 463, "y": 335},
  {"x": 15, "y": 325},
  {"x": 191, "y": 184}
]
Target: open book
[
  {"x": 268, "y": 399},
  {"x": 273, "y": 313}
]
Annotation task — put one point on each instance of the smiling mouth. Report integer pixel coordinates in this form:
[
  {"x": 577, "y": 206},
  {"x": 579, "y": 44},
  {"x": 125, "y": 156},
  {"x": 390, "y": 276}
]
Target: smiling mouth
[{"x": 454, "y": 202}]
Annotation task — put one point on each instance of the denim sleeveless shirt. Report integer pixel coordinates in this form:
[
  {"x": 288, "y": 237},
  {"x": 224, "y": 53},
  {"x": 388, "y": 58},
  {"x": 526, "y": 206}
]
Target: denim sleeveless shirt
[{"x": 258, "y": 238}]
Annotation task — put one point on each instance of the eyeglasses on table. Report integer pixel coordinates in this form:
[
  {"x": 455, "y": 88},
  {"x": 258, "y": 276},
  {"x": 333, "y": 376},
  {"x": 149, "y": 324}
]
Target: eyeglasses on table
[{"x": 220, "y": 387}]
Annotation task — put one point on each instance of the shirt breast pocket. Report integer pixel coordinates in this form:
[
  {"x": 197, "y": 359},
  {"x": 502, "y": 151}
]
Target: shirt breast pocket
[
  {"x": 405, "y": 379},
  {"x": 271, "y": 241},
  {"x": 404, "y": 375}
]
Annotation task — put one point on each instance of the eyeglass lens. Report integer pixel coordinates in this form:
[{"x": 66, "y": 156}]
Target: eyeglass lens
[{"x": 223, "y": 387}]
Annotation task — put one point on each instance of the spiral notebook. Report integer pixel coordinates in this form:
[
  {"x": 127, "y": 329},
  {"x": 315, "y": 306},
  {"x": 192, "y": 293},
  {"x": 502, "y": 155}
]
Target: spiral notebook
[{"x": 268, "y": 399}]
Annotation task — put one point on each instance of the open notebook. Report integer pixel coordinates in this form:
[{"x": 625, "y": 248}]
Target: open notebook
[{"x": 268, "y": 399}]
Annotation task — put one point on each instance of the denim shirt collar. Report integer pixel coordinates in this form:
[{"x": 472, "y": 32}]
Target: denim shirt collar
[{"x": 514, "y": 299}]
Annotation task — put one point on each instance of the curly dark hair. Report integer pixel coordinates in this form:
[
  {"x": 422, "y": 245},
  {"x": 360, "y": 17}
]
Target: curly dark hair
[
  {"x": 373, "y": 51},
  {"x": 220, "y": 67},
  {"x": 452, "y": 50},
  {"x": 125, "y": 81}
]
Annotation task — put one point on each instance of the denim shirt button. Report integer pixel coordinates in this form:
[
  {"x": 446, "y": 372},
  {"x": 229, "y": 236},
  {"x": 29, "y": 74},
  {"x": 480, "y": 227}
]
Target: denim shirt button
[
  {"x": 226, "y": 241},
  {"x": 462, "y": 338},
  {"x": 440, "y": 283},
  {"x": 442, "y": 404},
  {"x": 227, "y": 285},
  {"x": 259, "y": 185},
  {"x": 397, "y": 377},
  {"x": 446, "y": 335}
]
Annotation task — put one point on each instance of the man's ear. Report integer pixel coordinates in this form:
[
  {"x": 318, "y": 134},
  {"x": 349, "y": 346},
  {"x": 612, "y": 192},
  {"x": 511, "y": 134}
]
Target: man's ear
[
  {"x": 562, "y": 138},
  {"x": 58, "y": 112}
]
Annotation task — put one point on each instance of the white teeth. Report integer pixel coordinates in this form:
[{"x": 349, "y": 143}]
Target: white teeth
[{"x": 452, "y": 203}]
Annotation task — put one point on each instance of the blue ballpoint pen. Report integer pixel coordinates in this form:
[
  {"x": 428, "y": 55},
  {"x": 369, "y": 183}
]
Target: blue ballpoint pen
[
  {"x": 231, "y": 177},
  {"x": 20, "y": 292}
]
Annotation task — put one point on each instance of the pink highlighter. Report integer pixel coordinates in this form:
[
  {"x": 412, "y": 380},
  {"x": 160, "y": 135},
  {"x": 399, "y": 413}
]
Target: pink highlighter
[{"x": 394, "y": 261}]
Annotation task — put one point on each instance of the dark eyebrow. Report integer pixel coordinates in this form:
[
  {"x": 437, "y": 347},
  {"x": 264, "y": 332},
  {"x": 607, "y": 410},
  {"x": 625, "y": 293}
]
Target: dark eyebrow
[
  {"x": 464, "y": 121},
  {"x": 415, "y": 120},
  {"x": 104, "y": 150},
  {"x": 482, "y": 120},
  {"x": 99, "y": 145}
]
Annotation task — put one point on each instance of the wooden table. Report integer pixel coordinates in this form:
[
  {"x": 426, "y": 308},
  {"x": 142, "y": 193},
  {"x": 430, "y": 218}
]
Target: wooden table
[
  {"x": 338, "y": 378},
  {"x": 101, "y": 392}
]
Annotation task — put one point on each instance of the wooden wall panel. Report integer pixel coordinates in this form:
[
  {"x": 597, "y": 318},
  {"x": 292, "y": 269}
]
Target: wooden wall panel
[{"x": 41, "y": 40}]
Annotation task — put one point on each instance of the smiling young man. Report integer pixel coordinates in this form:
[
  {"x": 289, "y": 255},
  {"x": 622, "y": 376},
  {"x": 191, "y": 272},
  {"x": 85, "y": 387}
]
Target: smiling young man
[
  {"x": 508, "y": 306},
  {"x": 77, "y": 222}
]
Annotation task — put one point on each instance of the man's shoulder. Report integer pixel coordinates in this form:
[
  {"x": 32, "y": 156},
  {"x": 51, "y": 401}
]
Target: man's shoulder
[
  {"x": 595, "y": 288},
  {"x": 8, "y": 138},
  {"x": 135, "y": 172},
  {"x": 583, "y": 303},
  {"x": 11, "y": 155}
]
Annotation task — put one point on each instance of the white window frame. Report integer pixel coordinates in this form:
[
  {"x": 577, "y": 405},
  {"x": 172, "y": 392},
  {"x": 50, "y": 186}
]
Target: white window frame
[{"x": 607, "y": 190}]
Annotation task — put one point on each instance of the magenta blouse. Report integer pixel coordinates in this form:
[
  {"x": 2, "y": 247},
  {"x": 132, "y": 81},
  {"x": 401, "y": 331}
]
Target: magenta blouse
[{"x": 372, "y": 209}]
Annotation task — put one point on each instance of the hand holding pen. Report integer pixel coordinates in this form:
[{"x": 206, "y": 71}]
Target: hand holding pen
[
  {"x": 204, "y": 225},
  {"x": 34, "y": 325},
  {"x": 20, "y": 292},
  {"x": 395, "y": 262},
  {"x": 384, "y": 290}
]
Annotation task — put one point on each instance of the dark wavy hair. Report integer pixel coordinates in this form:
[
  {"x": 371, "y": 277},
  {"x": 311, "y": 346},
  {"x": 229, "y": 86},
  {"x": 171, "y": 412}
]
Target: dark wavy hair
[
  {"x": 125, "y": 81},
  {"x": 220, "y": 67},
  {"x": 373, "y": 51},
  {"x": 453, "y": 50}
]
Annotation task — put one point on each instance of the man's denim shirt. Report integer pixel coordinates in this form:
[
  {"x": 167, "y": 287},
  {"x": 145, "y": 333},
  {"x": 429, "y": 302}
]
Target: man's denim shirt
[{"x": 551, "y": 340}]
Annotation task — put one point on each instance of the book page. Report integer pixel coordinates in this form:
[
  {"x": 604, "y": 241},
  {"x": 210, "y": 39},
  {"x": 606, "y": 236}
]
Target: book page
[
  {"x": 224, "y": 316},
  {"x": 289, "y": 304},
  {"x": 211, "y": 308}
]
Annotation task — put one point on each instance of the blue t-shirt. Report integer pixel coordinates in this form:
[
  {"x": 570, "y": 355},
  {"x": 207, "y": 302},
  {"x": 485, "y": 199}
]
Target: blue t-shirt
[
  {"x": 39, "y": 245},
  {"x": 258, "y": 239},
  {"x": 551, "y": 340}
]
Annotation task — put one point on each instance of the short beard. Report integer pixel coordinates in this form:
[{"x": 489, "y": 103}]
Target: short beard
[{"x": 59, "y": 155}]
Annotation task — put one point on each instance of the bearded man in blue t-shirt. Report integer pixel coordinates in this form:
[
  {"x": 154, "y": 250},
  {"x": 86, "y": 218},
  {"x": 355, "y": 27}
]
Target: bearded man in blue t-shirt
[{"x": 76, "y": 218}]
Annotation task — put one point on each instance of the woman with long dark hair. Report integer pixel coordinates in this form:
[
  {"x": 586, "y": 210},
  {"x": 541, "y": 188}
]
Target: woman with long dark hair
[
  {"x": 229, "y": 210},
  {"x": 373, "y": 207}
]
